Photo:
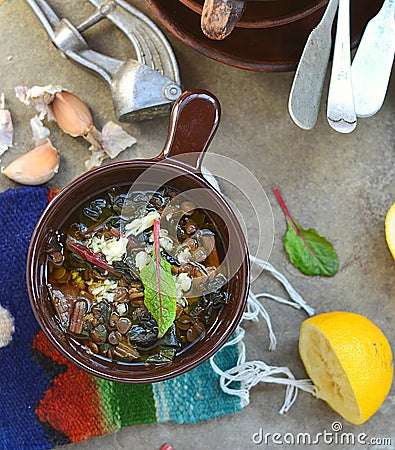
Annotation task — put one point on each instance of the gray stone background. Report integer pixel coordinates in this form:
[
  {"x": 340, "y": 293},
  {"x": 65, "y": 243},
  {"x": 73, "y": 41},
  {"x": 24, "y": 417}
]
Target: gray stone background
[{"x": 342, "y": 185}]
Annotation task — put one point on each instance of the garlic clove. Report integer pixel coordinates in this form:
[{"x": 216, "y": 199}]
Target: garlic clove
[
  {"x": 36, "y": 166},
  {"x": 71, "y": 114}
]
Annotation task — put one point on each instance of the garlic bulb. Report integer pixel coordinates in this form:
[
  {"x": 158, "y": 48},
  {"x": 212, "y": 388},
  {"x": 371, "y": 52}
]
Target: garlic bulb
[
  {"x": 36, "y": 166},
  {"x": 71, "y": 114}
]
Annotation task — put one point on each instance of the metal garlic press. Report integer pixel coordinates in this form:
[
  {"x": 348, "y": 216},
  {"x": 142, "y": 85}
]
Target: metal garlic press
[{"x": 141, "y": 88}]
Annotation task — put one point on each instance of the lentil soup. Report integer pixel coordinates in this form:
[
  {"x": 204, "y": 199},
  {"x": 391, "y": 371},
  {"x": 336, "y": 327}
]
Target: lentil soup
[{"x": 98, "y": 264}]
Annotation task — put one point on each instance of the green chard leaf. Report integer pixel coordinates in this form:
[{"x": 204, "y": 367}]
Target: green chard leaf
[
  {"x": 311, "y": 253},
  {"x": 159, "y": 288}
]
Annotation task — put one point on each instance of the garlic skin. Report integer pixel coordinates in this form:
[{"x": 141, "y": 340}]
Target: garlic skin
[
  {"x": 108, "y": 143},
  {"x": 71, "y": 114},
  {"x": 22, "y": 94},
  {"x": 36, "y": 166},
  {"x": 6, "y": 128},
  {"x": 40, "y": 133},
  {"x": 115, "y": 139},
  {"x": 40, "y": 96}
]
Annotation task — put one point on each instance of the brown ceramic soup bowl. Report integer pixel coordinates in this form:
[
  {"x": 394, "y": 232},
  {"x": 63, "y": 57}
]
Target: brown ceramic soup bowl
[{"x": 193, "y": 122}]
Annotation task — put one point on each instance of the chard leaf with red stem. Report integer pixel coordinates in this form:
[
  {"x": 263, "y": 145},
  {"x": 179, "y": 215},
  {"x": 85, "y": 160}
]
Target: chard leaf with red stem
[
  {"x": 311, "y": 253},
  {"x": 159, "y": 288}
]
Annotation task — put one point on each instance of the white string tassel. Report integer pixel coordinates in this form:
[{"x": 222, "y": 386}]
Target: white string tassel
[
  {"x": 299, "y": 302},
  {"x": 278, "y": 299},
  {"x": 253, "y": 309},
  {"x": 250, "y": 373}
]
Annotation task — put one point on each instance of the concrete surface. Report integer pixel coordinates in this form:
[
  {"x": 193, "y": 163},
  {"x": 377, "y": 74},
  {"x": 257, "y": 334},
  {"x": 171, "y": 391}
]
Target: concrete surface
[{"x": 342, "y": 185}]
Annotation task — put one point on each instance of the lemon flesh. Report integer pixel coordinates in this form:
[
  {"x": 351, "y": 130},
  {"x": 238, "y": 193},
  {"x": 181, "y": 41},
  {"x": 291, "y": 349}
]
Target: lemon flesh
[
  {"x": 390, "y": 229},
  {"x": 349, "y": 361}
]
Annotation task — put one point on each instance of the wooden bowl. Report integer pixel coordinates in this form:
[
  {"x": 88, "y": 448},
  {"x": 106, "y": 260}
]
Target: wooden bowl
[
  {"x": 274, "y": 49},
  {"x": 266, "y": 14}
]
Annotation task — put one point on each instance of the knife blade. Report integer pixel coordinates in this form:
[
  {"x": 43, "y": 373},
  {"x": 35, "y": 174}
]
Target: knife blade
[{"x": 307, "y": 86}]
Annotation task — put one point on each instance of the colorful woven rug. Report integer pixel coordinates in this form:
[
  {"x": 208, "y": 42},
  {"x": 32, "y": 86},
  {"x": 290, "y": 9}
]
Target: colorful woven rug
[{"x": 44, "y": 400}]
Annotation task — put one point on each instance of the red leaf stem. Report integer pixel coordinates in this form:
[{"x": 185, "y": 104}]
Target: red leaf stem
[
  {"x": 157, "y": 263},
  {"x": 285, "y": 209},
  {"x": 90, "y": 256},
  {"x": 291, "y": 221}
]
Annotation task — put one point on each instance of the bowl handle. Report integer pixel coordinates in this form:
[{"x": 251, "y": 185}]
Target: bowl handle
[{"x": 194, "y": 120}]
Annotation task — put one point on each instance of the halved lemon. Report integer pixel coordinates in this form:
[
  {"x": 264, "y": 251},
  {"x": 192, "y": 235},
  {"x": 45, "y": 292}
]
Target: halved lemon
[
  {"x": 390, "y": 229},
  {"x": 349, "y": 361}
]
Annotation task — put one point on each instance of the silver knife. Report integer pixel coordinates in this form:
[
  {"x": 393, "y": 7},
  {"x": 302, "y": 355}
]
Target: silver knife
[
  {"x": 372, "y": 64},
  {"x": 306, "y": 90}
]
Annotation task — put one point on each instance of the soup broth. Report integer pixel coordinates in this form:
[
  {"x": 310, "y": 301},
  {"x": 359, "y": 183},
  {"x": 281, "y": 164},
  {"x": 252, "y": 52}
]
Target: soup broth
[{"x": 99, "y": 264}]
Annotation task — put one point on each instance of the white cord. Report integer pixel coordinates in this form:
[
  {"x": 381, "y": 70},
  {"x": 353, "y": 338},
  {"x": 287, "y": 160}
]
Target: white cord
[
  {"x": 250, "y": 373},
  {"x": 253, "y": 309},
  {"x": 299, "y": 302}
]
